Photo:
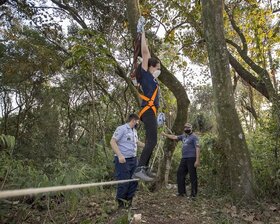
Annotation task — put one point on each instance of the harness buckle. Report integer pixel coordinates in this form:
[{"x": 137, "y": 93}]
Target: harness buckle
[{"x": 150, "y": 103}]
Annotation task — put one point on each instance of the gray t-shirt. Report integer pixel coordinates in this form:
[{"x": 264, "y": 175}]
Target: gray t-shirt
[
  {"x": 189, "y": 145},
  {"x": 126, "y": 138}
]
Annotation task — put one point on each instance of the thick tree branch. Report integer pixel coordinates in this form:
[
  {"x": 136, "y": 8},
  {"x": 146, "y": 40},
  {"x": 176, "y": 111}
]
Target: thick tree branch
[
  {"x": 72, "y": 12},
  {"x": 248, "y": 77},
  {"x": 256, "y": 68},
  {"x": 133, "y": 14},
  {"x": 263, "y": 73}
]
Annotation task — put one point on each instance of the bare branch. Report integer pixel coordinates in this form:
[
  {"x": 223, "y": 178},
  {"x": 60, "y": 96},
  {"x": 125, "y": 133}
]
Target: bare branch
[
  {"x": 238, "y": 30},
  {"x": 72, "y": 12},
  {"x": 276, "y": 10}
]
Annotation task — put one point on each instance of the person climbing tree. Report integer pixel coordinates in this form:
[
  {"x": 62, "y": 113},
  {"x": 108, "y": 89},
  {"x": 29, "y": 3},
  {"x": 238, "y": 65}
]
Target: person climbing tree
[{"x": 146, "y": 75}]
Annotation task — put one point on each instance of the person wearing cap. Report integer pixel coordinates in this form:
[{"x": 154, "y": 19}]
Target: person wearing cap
[
  {"x": 189, "y": 161},
  {"x": 124, "y": 143}
]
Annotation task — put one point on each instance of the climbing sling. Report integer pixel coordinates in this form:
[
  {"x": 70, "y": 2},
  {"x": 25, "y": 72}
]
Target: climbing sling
[
  {"x": 137, "y": 49},
  {"x": 137, "y": 52}
]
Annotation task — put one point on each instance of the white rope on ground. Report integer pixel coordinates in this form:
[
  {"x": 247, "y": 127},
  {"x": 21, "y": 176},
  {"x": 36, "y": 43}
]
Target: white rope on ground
[{"x": 32, "y": 191}]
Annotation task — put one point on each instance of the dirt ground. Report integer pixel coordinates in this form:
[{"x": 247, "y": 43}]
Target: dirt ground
[
  {"x": 162, "y": 207},
  {"x": 165, "y": 207}
]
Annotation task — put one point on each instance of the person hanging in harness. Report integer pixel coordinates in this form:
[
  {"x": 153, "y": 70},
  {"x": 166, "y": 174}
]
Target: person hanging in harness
[{"x": 146, "y": 75}]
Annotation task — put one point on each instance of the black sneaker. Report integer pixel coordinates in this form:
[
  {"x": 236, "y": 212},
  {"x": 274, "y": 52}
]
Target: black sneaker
[
  {"x": 124, "y": 204},
  {"x": 140, "y": 173},
  {"x": 121, "y": 203}
]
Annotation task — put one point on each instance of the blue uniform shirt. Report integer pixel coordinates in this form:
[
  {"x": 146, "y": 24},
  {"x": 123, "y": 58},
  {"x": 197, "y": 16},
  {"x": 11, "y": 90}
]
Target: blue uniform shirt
[
  {"x": 190, "y": 142},
  {"x": 148, "y": 84},
  {"x": 126, "y": 138}
]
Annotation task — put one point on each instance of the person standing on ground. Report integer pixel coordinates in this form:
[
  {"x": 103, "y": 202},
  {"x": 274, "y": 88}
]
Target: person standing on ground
[
  {"x": 124, "y": 143},
  {"x": 190, "y": 160}
]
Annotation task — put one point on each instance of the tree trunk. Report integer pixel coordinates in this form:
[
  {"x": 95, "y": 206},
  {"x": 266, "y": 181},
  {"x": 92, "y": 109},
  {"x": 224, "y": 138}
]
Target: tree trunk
[
  {"x": 230, "y": 132},
  {"x": 93, "y": 122},
  {"x": 173, "y": 84}
]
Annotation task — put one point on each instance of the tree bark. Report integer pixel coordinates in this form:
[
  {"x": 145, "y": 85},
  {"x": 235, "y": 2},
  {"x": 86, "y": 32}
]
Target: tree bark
[{"x": 230, "y": 132}]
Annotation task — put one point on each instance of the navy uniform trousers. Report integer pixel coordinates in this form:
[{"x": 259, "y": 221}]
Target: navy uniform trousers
[
  {"x": 187, "y": 166},
  {"x": 125, "y": 171}
]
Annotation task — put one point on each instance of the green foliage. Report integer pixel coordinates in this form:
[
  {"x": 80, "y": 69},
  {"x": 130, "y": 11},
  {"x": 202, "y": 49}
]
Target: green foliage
[
  {"x": 25, "y": 173},
  {"x": 212, "y": 164},
  {"x": 122, "y": 219},
  {"x": 21, "y": 173},
  {"x": 89, "y": 51},
  {"x": 201, "y": 122},
  {"x": 263, "y": 147},
  {"x": 265, "y": 158},
  {"x": 125, "y": 217},
  {"x": 7, "y": 142},
  {"x": 202, "y": 114},
  {"x": 57, "y": 91}
]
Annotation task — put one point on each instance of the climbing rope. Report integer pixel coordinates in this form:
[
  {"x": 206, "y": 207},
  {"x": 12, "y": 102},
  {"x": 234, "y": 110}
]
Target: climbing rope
[
  {"x": 159, "y": 148},
  {"x": 33, "y": 191}
]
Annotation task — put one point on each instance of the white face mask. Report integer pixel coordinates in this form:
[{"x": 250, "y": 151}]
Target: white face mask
[{"x": 156, "y": 73}]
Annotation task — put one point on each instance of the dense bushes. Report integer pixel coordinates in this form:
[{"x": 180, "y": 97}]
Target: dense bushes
[
  {"x": 25, "y": 173},
  {"x": 266, "y": 168}
]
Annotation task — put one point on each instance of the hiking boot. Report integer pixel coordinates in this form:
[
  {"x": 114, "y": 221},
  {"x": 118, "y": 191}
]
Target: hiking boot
[
  {"x": 129, "y": 202},
  {"x": 121, "y": 203},
  {"x": 150, "y": 173},
  {"x": 124, "y": 204},
  {"x": 140, "y": 173}
]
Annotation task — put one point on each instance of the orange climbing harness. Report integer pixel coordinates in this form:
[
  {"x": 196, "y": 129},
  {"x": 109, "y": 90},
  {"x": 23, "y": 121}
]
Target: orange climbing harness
[{"x": 150, "y": 103}]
